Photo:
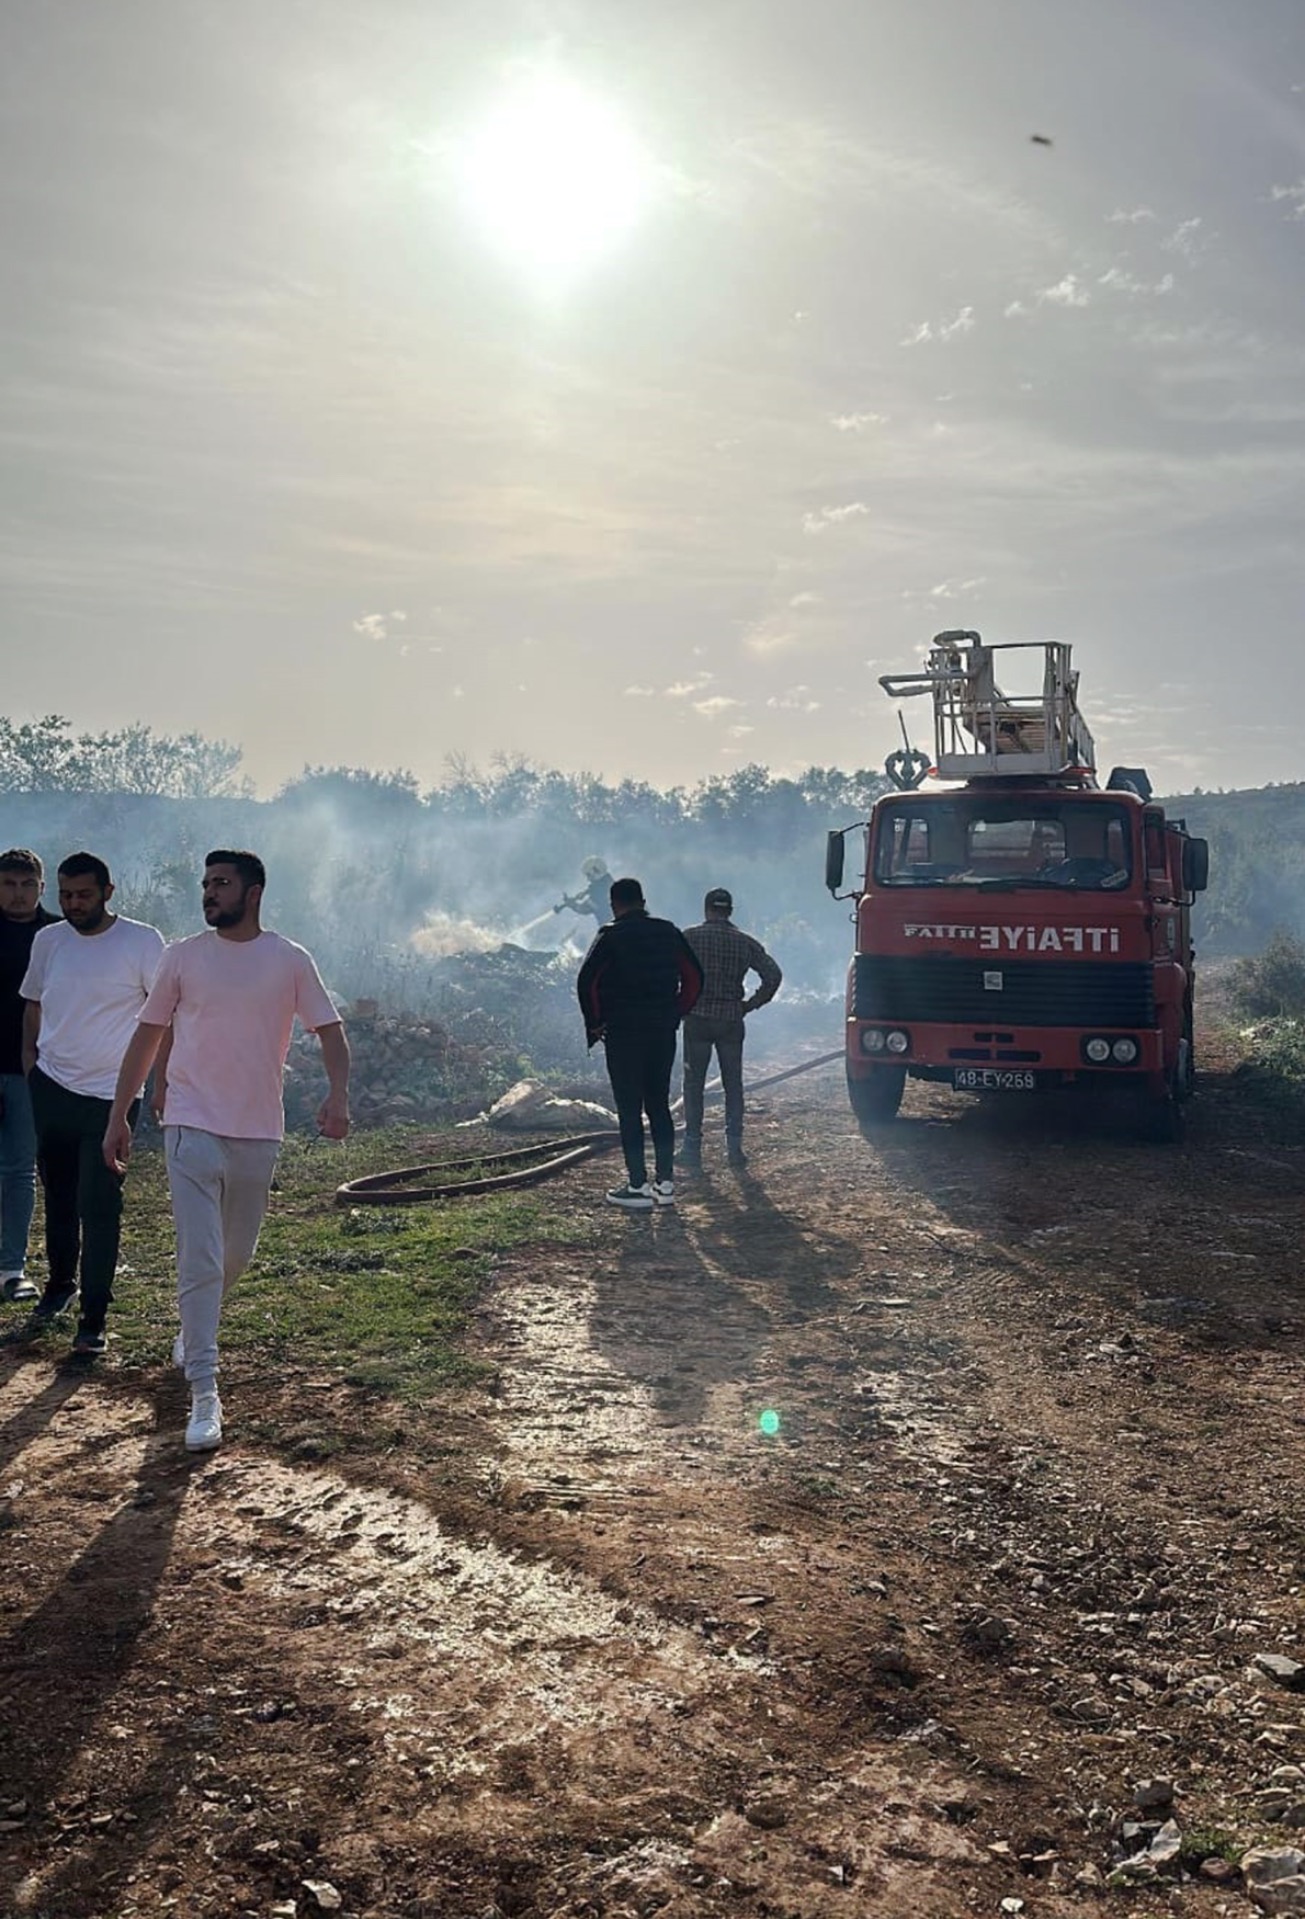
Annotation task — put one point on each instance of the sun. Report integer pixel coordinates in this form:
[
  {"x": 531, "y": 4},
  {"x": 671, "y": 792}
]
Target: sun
[{"x": 553, "y": 176}]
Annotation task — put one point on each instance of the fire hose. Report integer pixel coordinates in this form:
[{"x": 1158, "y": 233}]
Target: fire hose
[{"x": 518, "y": 1166}]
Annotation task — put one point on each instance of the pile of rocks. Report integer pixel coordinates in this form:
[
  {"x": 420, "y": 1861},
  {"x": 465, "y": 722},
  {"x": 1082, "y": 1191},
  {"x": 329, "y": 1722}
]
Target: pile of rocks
[{"x": 404, "y": 1068}]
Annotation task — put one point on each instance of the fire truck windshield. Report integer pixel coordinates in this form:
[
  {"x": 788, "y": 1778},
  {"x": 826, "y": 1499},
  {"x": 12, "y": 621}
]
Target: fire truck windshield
[{"x": 1004, "y": 843}]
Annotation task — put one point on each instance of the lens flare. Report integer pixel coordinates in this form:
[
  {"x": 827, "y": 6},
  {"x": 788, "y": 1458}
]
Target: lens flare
[{"x": 769, "y": 1423}]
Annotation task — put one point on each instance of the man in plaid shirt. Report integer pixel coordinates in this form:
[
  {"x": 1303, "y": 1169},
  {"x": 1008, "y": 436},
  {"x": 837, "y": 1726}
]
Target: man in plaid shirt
[{"x": 727, "y": 955}]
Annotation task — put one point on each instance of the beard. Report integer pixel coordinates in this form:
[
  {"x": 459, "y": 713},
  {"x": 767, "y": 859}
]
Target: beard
[
  {"x": 89, "y": 922},
  {"x": 227, "y": 916}
]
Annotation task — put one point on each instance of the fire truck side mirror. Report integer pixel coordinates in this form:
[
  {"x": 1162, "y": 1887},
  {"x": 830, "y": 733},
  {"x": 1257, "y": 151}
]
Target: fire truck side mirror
[
  {"x": 1196, "y": 865},
  {"x": 834, "y": 845}
]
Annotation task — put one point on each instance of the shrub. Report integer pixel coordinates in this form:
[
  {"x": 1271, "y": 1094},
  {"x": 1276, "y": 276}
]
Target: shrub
[{"x": 1272, "y": 984}]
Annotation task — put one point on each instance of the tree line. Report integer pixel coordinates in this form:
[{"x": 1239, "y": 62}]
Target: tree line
[{"x": 495, "y": 843}]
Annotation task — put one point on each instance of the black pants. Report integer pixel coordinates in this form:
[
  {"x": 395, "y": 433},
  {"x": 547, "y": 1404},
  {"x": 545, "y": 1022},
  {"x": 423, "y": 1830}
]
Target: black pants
[
  {"x": 83, "y": 1199},
  {"x": 639, "y": 1062}
]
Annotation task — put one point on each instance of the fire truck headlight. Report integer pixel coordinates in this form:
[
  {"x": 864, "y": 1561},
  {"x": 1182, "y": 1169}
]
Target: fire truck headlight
[
  {"x": 872, "y": 1040},
  {"x": 1125, "y": 1051},
  {"x": 898, "y": 1042},
  {"x": 1097, "y": 1050}
]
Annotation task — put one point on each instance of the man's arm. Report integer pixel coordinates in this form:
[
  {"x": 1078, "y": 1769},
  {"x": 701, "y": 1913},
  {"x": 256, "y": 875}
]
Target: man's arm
[
  {"x": 587, "y": 986},
  {"x": 691, "y": 977},
  {"x": 159, "y": 1088},
  {"x": 333, "y": 1113},
  {"x": 136, "y": 1062},
  {"x": 31, "y": 1032},
  {"x": 768, "y": 973}
]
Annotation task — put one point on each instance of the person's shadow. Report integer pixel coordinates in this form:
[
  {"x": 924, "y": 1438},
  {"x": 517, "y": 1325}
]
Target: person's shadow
[
  {"x": 64, "y": 1662},
  {"x": 689, "y": 1301}
]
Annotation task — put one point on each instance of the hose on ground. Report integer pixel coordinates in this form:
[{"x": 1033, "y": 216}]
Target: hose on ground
[{"x": 523, "y": 1165}]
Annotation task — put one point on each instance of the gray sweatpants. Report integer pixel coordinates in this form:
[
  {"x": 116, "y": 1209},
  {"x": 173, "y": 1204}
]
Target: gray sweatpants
[{"x": 219, "y": 1196}]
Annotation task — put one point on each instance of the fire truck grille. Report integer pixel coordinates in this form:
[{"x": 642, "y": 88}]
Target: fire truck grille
[{"x": 1031, "y": 992}]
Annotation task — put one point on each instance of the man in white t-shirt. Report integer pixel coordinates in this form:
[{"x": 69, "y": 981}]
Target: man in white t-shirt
[
  {"x": 230, "y": 997},
  {"x": 86, "y": 981}
]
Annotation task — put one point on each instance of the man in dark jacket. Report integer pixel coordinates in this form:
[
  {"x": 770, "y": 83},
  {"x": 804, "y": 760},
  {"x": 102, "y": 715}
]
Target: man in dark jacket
[
  {"x": 22, "y": 879},
  {"x": 637, "y": 981}
]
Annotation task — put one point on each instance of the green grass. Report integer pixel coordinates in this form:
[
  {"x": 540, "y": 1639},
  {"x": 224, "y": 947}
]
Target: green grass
[{"x": 376, "y": 1296}]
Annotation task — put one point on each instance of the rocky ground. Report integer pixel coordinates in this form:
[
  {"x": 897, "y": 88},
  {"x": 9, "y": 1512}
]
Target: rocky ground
[{"x": 1002, "y": 1618}]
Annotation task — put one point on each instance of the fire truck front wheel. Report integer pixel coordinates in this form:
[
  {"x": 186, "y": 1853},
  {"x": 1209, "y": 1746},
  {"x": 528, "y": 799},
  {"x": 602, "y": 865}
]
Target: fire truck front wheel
[
  {"x": 876, "y": 1098},
  {"x": 1161, "y": 1118}
]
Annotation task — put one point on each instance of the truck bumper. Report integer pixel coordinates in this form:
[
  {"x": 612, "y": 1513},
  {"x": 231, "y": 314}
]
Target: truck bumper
[{"x": 1056, "y": 1055}]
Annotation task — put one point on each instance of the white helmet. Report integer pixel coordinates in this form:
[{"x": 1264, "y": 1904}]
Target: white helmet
[{"x": 593, "y": 867}]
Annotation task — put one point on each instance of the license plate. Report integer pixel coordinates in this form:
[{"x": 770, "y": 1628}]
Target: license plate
[{"x": 993, "y": 1079}]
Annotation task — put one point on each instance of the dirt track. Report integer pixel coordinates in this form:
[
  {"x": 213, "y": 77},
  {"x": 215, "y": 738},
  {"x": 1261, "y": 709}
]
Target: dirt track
[{"x": 592, "y": 1643}]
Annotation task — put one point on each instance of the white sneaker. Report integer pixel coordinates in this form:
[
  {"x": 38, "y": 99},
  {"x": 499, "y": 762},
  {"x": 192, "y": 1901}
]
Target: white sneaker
[
  {"x": 179, "y": 1351},
  {"x": 204, "y": 1430},
  {"x": 663, "y": 1191},
  {"x": 637, "y": 1199}
]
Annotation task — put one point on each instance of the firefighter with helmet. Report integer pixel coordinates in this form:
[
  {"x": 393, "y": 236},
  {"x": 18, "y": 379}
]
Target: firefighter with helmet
[{"x": 594, "y": 898}]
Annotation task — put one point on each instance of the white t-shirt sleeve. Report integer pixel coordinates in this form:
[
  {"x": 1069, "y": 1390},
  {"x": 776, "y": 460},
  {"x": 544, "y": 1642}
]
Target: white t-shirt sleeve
[
  {"x": 313, "y": 1004},
  {"x": 33, "y": 985},
  {"x": 164, "y": 991},
  {"x": 151, "y": 955}
]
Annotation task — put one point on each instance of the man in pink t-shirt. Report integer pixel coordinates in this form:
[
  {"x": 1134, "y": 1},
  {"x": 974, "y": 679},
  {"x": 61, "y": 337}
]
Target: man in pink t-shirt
[{"x": 228, "y": 998}]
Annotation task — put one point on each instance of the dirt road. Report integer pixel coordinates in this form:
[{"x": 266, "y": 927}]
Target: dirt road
[{"x": 593, "y": 1642}]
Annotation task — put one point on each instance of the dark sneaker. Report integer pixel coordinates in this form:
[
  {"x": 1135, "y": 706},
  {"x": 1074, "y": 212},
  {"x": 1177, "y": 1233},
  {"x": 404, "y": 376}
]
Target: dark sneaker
[
  {"x": 636, "y": 1199},
  {"x": 689, "y": 1159},
  {"x": 663, "y": 1192},
  {"x": 17, "y": 1290},
  {"x": 53, "y": 1301},
  {"x": 90, "y": 1342},
  {"x": 736, "y": 1156}
]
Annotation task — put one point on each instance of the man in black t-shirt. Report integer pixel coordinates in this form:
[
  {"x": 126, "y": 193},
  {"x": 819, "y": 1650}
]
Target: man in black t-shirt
[{"x": 22, "y": 880}]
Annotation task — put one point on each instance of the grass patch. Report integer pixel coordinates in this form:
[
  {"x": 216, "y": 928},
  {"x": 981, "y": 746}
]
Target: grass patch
[
  {"x": 376, "y": 1296},
  {"x": 1210, "y": 1842}
]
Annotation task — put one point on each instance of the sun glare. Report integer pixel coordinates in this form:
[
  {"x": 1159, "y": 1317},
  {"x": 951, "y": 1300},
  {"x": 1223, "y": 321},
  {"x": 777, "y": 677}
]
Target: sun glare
[{"x": 553, "y": 175}]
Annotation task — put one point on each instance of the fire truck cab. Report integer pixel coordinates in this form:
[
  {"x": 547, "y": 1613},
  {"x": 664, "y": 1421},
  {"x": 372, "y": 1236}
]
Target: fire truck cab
[{"x": 1018, "y": 928}]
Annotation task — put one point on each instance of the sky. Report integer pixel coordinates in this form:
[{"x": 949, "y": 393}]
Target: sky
[{"x": 627, "y": 387}]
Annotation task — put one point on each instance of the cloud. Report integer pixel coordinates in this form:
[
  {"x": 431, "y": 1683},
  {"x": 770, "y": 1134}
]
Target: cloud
[
  {"x": 944, "y": 330},
  {"x": 639, "y": 693},
  {"x": 1066, "y": 293},
  {"x": 682, "y": 688},
  {"x": 857, "y": 422},
  {"x": 956, "y": 589},
  {"x": 796, "y": 700},
  {"x": 376, "y": 626},
  {"x": 738, "y": 732},
  {"x": 1294, "y": 195},
  {"x": 828, "y": 516},
  {"x": 807, "y": 599},
  {"x": 1069, "y": 292},
  {"x": 1129, "y": 216},
  {"x": 1187, "y": 239},
  {"x": 713, "y": 708},
  {"x": 1119, "y": 280}
]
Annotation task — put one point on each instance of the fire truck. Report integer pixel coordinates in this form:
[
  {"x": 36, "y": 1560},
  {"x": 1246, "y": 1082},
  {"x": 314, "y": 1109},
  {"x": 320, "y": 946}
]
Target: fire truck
[{"x": 1019, "y": 928}]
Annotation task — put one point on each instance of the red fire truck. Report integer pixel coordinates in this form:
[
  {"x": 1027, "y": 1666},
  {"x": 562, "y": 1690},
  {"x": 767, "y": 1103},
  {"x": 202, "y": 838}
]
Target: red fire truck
[{"x": 1018, "y": 928}]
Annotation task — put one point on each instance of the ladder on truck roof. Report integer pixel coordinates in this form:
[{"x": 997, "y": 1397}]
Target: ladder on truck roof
[{"x": 982, "y": 732}]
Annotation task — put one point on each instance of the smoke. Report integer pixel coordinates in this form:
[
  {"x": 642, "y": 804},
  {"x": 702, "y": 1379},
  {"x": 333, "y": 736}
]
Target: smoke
[
  {"x": 387, "y": 888},
  {"x": 443, "y": 933}
]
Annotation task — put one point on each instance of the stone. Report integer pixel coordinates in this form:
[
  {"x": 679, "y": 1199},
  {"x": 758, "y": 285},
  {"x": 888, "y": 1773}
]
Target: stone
[
  {"x": 1287, "y": 1672},
  {"x": 1275, "y": 1878},
  {"x": 1153, "y": 1795}
]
